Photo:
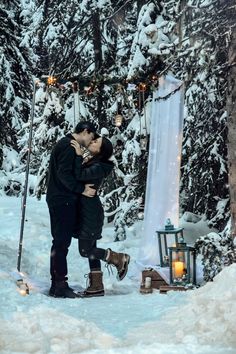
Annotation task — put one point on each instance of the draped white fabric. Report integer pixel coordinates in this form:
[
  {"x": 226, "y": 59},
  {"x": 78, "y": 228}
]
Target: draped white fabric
[{"x": 162, "y": 193}]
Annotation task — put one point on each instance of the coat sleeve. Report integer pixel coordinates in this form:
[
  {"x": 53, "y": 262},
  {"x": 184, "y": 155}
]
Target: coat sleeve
[
  {"x": 94, "y": 171},
  {"x": 65, "y": 169}
]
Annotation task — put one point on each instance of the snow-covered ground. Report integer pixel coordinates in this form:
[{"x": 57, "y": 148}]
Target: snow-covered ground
[{"x": 124, "y": 321}]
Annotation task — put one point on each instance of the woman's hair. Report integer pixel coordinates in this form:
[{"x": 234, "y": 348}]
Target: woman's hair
[
  {"x": 104, "y": 154},
  {"x": 106, "y": 150}
]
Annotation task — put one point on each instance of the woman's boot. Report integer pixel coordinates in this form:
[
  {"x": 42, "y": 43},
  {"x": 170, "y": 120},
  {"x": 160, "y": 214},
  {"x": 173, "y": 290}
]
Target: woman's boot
[
  {"x": 95, "y": 287},
  {"x": 120, "y": 261}
]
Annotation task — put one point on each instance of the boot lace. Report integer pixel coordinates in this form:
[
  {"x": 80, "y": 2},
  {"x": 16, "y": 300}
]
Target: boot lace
[
  {"x": 86, "y": 276},
  {"x": 109, "y": 268}
]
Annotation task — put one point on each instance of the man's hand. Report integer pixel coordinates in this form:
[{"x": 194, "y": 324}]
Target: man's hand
[{"x": 89, "y": 191}]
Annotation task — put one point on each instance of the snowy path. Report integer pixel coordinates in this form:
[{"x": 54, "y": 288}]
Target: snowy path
[{"x": 124, "y": 321}]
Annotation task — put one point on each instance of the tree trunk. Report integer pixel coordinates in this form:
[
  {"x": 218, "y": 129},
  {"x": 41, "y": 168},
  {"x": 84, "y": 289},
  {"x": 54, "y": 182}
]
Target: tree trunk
[
  {"x": 97, "y": 44},
  {"x": 231, "y": 109},
  {"x": 42, "y": 50},
  {"x": 140, "y": 4}
]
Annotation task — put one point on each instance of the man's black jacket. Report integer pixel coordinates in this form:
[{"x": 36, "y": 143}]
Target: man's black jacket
[{"x": 62, "y": 185}]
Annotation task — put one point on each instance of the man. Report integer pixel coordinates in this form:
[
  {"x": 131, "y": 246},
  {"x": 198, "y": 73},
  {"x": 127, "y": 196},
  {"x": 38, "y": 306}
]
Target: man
[{"x": 62, "y": 196}]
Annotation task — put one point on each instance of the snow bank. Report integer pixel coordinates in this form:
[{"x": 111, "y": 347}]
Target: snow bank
[
  {"x": 207, "y": 318},
  {"x": 123, "y": 321},
  {"x": 44, "y": 330}
]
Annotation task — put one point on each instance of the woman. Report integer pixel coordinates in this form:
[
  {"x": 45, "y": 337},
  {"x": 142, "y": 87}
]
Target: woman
[{"x": 91, "y": 215}]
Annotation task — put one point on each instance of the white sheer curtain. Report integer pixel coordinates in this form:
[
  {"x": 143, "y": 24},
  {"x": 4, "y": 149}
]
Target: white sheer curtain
[{"x": 162, "y": 193}]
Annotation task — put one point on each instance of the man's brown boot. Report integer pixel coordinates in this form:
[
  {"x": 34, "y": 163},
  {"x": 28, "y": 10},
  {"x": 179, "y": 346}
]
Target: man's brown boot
[
  {"x": 95, "y": 287},
  {"x": 120, "y": 261}
]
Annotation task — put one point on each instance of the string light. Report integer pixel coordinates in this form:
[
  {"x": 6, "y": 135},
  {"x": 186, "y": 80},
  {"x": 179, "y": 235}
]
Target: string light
[
  {"x": 122, "y": 86},
  {"x": 89, "y": 86},
  {"x": 142, "y": 87},
  {"x": 51, "y": 81}
]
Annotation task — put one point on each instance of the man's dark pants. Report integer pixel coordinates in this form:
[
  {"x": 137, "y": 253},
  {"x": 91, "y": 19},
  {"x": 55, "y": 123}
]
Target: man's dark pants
[{"x": 63, "y": 226}]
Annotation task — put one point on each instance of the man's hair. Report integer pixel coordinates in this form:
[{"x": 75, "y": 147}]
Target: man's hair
[{"x": 89, "y": 126}]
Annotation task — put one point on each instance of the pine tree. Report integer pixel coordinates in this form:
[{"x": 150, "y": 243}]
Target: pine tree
[
  {"x": 98, "y": 102},
  {"x": 217, "y": 251},
  {"x": 101, "y": 47},
  {"x": 15, "y": 90},
  {"x": 204, "y": 165},
  {"x": 52, "y": 36},
  {"x": 172, "y": 34}
]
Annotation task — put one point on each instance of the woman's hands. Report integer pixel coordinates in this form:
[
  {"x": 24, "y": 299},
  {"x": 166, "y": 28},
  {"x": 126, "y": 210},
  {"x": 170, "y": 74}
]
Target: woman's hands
[{"x": 76, "y": 146}]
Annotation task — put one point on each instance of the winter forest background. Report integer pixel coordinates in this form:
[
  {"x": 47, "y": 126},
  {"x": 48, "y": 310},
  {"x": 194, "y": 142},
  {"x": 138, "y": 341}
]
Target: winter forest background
[{"x": 107, "y": 56}]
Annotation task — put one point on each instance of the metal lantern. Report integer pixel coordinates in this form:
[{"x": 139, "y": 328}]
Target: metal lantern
[
  {"x": 118, "y": 120},
  {"x": 143, "y": 144},
  {"x": 182, "y": 264},
  {"x": 169, "y": 229}
]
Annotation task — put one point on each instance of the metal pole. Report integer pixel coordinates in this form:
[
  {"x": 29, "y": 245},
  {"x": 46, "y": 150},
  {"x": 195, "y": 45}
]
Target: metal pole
[
  {"x": 145, "y": 115},
  {"x": 78, "y": 104},
  {"x": 75, "y": 90},
  {"x": 26, "y": 180},
  {"x": 139, "y": 110}
]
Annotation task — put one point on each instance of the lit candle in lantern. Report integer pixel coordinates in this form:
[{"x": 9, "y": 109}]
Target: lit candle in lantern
[{"x": 179, "y": 269}]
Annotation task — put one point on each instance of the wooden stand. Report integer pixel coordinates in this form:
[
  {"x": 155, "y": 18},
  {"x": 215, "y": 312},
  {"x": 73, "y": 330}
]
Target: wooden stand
[
  {"x": 165, "y": 288},
  {"x": 144, "y": 290},
  {"x": 156, "y": 281}
]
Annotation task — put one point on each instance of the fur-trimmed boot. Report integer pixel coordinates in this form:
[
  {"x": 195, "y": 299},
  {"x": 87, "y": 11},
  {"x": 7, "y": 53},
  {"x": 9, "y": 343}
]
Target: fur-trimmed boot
[
  {"x": 95, "y": 287},
  {"x": 120, "y": 261}
]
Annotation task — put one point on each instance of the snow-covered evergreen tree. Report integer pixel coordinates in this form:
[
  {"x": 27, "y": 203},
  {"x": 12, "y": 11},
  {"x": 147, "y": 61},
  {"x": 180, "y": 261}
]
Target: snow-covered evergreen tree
[
  {"x": 217, "y": 251},
  {"x": 101, "y": 92},
  {"x": 108, "y": 46},
  {"x": 192, "y": 38},
  {"x": 172, "y": 32},
  {"x": 15, "y": 92}
]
